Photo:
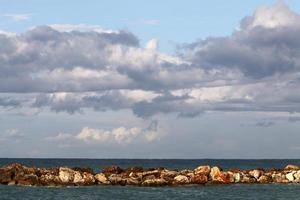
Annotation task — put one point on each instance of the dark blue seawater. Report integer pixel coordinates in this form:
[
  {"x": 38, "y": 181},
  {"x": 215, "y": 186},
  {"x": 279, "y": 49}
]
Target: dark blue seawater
[{"x": 240, "y": 191}]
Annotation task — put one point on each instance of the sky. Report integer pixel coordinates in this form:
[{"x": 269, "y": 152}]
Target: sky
[{"x": 150, "y": 79}]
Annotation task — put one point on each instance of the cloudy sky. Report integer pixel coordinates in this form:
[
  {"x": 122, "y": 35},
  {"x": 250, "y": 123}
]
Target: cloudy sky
[{"x": 189, "y": 79}]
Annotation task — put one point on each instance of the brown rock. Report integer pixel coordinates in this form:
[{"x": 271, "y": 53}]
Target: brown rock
[
  {"x": 43, "y": 171},
  {"x": 168, "y": 175},
  {"x": 28, "y": 179},
  {"x": 279, "y": 178},
  {"x": 247, "y": 179},
  {"x": 235, "y": 170},
  {"x": 186, "y": 171},
  {"x": 155, "y": 182},
  {"x": 199, "y": 179},
  {"x": 264, "y": 179},
  {"x": 49, "y": 180},
  {"x": 30, "y": 170},
  {"x": 112, "y": 170},
  {"x": 116, "y": 179},
  {"x": 6, "y": 176},
  {"x": 83, "y": 169},
  {"x": 134, "y": 170},
  {"x": 88, "y": 178}
]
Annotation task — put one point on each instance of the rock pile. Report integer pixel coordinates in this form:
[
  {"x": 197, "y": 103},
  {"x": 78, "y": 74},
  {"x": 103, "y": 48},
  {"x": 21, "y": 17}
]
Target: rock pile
[{"x": 17, "y": 174}]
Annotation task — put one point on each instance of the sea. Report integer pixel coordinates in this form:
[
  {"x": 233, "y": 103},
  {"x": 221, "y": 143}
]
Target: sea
[{"x": 236, "y": 191}]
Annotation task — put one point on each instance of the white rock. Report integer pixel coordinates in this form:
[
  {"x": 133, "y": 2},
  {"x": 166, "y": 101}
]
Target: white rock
[
  {"x": 181, "y": 179},
  {"x": 101, "y": 178},
  {"x": 66, "y": 175},
  {"x": 290, "y": 176},
  {"x": 237, "y": 177},
  {"x": 297, "y": 176},
  {"x": 77, "y": 177},
  {"x": 255, "y": 173},
  {"x": 214, "y": 173}
]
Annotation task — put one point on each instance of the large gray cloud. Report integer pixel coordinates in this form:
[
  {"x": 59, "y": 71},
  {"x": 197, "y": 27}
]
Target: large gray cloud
[
  {"x": 267, "y": 43},
  {"x": 257, "y": 68},
  {"x": 47, "y": 60}
]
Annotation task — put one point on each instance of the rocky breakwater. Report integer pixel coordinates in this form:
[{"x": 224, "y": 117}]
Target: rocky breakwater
[{"x": 17, "y": 174}]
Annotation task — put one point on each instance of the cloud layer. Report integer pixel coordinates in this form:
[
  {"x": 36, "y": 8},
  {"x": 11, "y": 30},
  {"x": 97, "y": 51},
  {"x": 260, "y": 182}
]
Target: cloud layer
[{"x": 70, "y": 68}]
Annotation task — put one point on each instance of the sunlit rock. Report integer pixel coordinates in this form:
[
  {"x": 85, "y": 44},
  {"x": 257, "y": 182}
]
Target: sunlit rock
[
  {"x": 203, "y": 170},
  {"x": 181, "y": 180},
  {"x": 102, "y": 179},
  {"x": 66, "y": 175},
  {"x": 255, "y": 173},
  {"x": 291, "y": 167},
  {"x": 290, "y": 176}
]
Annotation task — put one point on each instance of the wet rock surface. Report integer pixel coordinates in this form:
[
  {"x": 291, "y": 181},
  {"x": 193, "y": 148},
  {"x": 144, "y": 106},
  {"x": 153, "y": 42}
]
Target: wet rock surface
[{"x": 17, "y": 174}]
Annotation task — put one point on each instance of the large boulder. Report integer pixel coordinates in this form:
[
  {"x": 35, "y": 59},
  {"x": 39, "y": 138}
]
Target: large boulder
[
  {"x": 291, "y": 167},
  {"x": 6, "y": 176},
  {"x": 49, "y": 180},
  {"x": 88, "y": 178},
  {"x": 246, "y": 178},
  {"x": 66, "y": 175},
  {"x": 202, "y": 170},
  {"x": 199, "y": 179},
  {"x": 217, "y": 176},
  {"x": 18, "y": 174},
  {"x": 297, "y": 176},
  {"x": 237, "y": 177},
  {"x": 279, "y": 178},
  {"x": 181, "y": 180},
  {"x": 49, "y": 177},
  {"x": 102, "y": 179},
  {"x": 255, "y": 173},
  {"x": 28, "y": 179},
  {"x": 116, "y": 179},
  {"x": 168, "y": 175},
  {"x": 290, "y": 176},
  {"x": 78, "y": 179},
  {"x": 264, "y": 179}
]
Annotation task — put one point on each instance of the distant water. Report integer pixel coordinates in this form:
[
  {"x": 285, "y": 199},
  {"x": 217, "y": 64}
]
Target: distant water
[{"x": 240, "y": 191}]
